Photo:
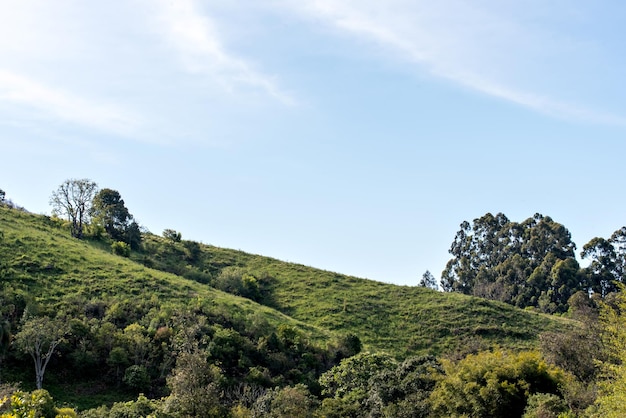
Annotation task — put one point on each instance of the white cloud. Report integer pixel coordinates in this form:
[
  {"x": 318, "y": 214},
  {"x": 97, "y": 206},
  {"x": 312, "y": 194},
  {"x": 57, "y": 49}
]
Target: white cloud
[
  {"x": 56, "y": 103},
  {"x": 195, "y": 37},
  {"x": 485, "y": 46}
]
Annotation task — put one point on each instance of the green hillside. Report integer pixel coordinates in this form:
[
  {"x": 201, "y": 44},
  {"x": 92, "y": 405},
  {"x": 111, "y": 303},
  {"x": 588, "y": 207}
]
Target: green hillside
[
  {"x": 119, "y": 315},
  {"x": 54, "y": 271},
  {"x": 298, "y": 325},
  {"x": 400, "y": 320}
]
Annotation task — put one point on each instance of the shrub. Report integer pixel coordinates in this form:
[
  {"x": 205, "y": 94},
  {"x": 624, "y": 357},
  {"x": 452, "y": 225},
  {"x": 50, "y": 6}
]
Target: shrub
[
  {"x": 493, "y": 384},
  {"x": 137, "y": 377},
  {"x": 545, "y": 405},
  {"x": 121, "y": 248}
]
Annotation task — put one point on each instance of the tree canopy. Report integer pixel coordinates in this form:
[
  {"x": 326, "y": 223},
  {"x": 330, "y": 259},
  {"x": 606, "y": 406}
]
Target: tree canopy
[
  {"x": 109, "y": 212},
  {"x": 73, "y": 199},
  {"x": 108, "y": 209},
  {"x": 525, "y": 264},
  {"x": 608, "y": 262}
]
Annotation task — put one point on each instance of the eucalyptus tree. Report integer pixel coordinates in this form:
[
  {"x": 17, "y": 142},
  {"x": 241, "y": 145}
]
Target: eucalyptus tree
[
  {"x": 73, "y": 199},
  {"x": 607, "y": 265},
  {"x": 517, "y": 263},
  {"x": 39, "y": 337}
]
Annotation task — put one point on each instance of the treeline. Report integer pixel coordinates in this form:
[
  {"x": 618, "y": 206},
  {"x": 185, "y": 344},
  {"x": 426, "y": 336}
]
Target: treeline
[{"x": 532, "y": 263}]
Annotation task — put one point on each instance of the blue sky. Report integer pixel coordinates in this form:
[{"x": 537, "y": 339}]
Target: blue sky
[{"x": 353, "y": 136}]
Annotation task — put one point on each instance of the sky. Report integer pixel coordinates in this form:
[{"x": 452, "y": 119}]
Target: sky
[{"x": 352, "y": 136}]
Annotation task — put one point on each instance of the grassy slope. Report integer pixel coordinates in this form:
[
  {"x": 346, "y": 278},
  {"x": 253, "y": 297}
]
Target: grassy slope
[
  {"x": 56, "y": 269},
  {"x": 399, "y": 319}
]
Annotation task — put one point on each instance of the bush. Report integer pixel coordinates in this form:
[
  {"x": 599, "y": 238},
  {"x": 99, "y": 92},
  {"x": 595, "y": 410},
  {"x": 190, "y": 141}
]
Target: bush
[
  {"x": 38, "y": 403},
  {"x": 137, "y": 377},
  {"x": 545, "y": 405},
  {"x": 493, "y": 384},
  {"x": 121, "y": 248}
]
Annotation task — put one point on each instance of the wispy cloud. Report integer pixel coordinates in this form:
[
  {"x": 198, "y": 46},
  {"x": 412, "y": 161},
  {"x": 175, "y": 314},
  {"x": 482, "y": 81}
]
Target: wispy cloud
[
  {"x": 55, "y": 103},
  {"x": 478, "y": 46},
  {"x": 195, "y": 37}
]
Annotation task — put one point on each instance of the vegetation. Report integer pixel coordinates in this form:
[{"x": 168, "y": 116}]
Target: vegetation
[
  {"x": 531, "y": 264},
  {"x": 125, "y": 323},
  {"x": 73, "y": 199},
  {"x": 401, "y": 320}
]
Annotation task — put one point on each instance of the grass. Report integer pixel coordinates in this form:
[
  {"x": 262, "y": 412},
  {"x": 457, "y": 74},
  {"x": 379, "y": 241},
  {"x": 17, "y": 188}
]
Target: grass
[
  {"x": 54, "y": 269},
  {"x": 400, "y": 320}
]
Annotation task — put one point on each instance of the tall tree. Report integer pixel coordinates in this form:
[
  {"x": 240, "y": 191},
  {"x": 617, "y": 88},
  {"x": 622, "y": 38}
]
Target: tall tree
[
  {"x": 39, "y": 337},
  {"x": 496, "y": 258},
  {"x": 608, "y": 262},
  {"x": 73, "y": 199},
  {"x": 108, "y": 209}
]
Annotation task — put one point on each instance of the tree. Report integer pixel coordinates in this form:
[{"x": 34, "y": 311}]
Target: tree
[
  {"x": 351, "y": 384},
  {"x": 39, "y": 337},
  {"x": 611, "y": 401},
  {"x": 37, "y": 403},
  {"x": 287, "y": 402},
  {"x": 108, "y": 209},
  {"x": 132, "y": 235},
  {"x": 73, "y": 199},
  {"x": 608, "y": 262},
  {"x": 195, "y": 387},
  {"x": 429, "y": 281},
  {"x": 496, "y": 258},
  {"x": 493, "y": 384},
  {"x": 172, "y": 235}
]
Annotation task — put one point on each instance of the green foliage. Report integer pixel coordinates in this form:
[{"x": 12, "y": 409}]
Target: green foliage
[
  {"x": 354, "y": 373},
  {"x": 608, "y": 262},
  {"x": 36, "y": 404},
  {"x": 429, "y": 281},
  {"x": 577, "y": 350},
  {"x": 525, "y": 264},
  {"x": 376, "y": 385},
  {"x": 400, "y": 320},
  {"x": 121, "y": 315},
  {"x": 172, "y": 235},
  {"x": 108, "y": 209},
  {"x": 195, "y": 387},
  {"x": 611, "y": 401},
  {"x": 121, "y": 248},
  {"x": 39, "y": 338},
  {"x": 546, "y": 405},
  {"x": 287, "y": 402},
  {"x": 109, "y": 213},
  {"x": 137, "y": 377},
  {"x": 140, "y": 408},
  {"x": 493, "y": 384}
]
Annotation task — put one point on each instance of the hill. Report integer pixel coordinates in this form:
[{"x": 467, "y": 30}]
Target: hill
[
  {"x": 128, "y": 313},
  {"x": 400, "y": 320},
  {"x": 118, "y": 314}
]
